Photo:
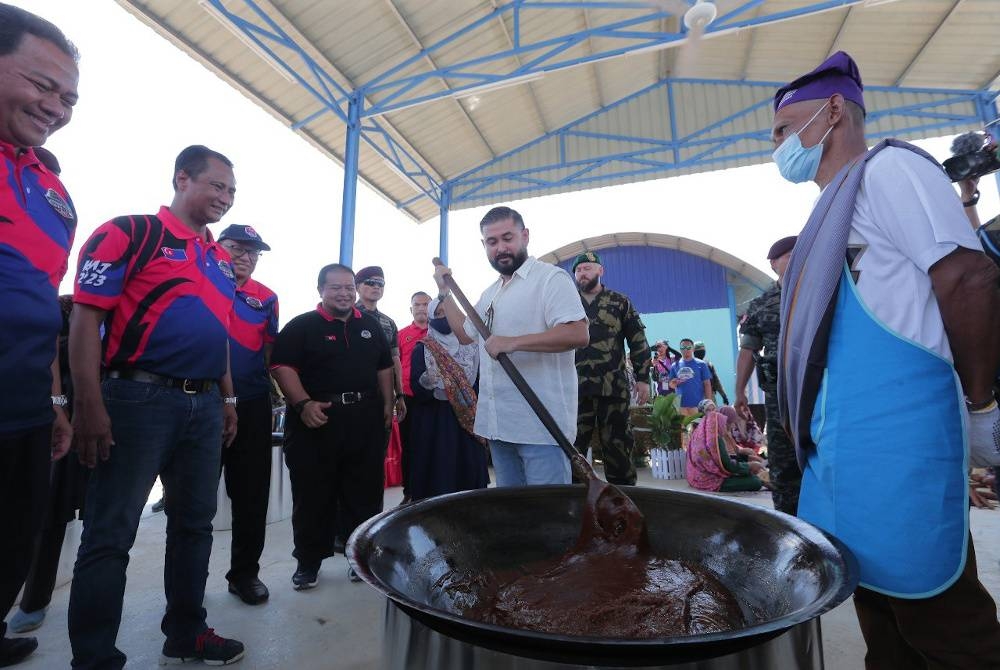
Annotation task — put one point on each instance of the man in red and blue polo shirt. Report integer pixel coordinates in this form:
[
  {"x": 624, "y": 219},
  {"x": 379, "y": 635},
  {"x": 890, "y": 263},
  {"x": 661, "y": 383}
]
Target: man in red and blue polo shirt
[
  {"x": 247, "y": 462},
  {"x": 38, "y": 82},
  {"x": 164, "y": 289}
]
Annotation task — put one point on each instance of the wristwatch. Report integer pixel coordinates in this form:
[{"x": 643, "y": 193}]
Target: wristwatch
[
  {"x": 59, "y": 400},
  {"x": 230, "y": 400},
  {"x": 301, "y": 405},
  {"x": 399, "y": 396}
]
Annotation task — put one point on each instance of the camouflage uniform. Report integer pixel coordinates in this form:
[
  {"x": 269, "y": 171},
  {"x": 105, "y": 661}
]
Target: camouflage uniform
[
  {"x": 604, "y": 389},
  {"x": 759, "y": 330}
]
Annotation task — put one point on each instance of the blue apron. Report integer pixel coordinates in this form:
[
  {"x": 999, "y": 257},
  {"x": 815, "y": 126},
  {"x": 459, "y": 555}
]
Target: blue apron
[{"x": 888, "y": 475}]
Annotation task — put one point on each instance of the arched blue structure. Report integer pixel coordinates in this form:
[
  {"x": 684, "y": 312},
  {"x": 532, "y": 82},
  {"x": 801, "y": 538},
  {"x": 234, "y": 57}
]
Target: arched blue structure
[{"x": 681, "y": 288}]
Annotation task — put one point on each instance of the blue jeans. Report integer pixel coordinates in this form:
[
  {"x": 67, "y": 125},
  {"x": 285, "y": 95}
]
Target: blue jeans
[
  {"x": 157, "y": 430},
  {"x": 525, "y": 464}
]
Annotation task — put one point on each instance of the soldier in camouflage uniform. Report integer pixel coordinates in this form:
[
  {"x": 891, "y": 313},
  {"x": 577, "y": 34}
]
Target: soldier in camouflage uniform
[
  {"x": 759, "y": 348},
  {"x": 600, "y": 367}
]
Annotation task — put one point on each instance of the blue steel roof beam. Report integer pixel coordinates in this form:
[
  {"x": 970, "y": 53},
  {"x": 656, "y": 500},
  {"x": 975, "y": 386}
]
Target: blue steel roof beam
[
  {"x": 507, "y": 193},
  {"x": 394, "y": 100},
  {"x": 556, "y": 45},
  {"x": 320, "y": 72},
  {"x": 419, "y": 44},
  {"x": 409, "y": 167},
  {"x": 274, "y": 34},
  {"x": 736, "y": 11}
]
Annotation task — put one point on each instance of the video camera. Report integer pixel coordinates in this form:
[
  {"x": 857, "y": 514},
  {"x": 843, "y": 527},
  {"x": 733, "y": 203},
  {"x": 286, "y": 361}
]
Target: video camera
[{"x": 975, "y": 155}]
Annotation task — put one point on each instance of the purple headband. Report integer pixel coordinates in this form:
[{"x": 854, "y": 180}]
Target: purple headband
[{"x": 837, "y": 74}]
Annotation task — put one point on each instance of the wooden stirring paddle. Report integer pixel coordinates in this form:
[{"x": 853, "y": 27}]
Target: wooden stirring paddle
[{"x": 610, "y": 516}]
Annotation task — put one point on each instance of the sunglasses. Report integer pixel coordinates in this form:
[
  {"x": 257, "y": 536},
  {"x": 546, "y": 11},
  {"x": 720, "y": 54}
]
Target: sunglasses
[
  {"x": 685, "y": 347},
  {"x": 374, "y": 282}
]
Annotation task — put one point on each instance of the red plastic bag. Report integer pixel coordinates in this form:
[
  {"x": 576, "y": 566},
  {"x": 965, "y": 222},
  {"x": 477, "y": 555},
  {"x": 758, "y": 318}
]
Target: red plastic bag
[{"x": 394, "y": 458}]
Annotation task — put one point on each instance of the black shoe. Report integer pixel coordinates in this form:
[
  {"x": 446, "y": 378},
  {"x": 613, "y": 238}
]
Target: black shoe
[
  {"x": 13, "y": 650},
  {"x": 353, "y": 576},
  {"x": 158, "y": 505},
  {"x": 251, "y": 591},
  {"x": 338, "y": 545},
  {"x": 208, "y": 648},
  {"x": 305, "y": 577}
]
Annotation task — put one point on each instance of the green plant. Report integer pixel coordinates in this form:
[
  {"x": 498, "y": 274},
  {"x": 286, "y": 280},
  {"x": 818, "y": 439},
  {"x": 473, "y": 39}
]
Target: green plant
[{"x": 667, "y": 422}]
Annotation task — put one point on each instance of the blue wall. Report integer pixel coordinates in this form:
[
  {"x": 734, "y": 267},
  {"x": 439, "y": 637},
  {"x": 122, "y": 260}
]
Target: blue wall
[
  {"x": 714, "y": 327},
  {"x": 663, "y": 280},
  {"x": 679, "y": 295}
]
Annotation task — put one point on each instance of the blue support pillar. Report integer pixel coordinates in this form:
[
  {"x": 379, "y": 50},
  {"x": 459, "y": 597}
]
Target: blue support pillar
[
  {"x": 443, "y": 234},
  {"x": 349, "y": 203}
]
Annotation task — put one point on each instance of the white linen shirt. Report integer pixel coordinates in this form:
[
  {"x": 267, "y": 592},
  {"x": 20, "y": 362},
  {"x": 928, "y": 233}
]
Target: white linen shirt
[{"x": 538, "y": 297}]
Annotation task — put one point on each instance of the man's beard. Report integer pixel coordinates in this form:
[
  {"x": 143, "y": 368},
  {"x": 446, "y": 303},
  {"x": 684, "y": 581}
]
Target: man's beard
[
  {"x": 513, "y": 262},
  {"x": 587, "y": 286}
]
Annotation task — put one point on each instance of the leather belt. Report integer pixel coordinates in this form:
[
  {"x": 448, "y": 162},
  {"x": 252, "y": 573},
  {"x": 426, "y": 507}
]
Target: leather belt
[
  {"x": 189, "y": 386},
  {"x": 352, "y": 397}
]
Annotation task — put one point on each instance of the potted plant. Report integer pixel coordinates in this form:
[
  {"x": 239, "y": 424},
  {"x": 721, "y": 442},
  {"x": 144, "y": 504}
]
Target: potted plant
[{"x": 667, "y": 422}]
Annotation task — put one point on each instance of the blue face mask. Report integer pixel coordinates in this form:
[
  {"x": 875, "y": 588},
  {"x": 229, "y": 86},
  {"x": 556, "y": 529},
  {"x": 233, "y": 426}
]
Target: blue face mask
[
  {"x": 795, "y": 162},
  {"x": 440, "y": 325}
]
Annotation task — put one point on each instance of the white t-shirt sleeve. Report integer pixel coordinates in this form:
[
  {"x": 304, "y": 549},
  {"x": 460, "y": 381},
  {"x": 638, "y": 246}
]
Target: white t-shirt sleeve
[
  {"x": 916, "y": 206},
  {"x": 561, "y": 300}
]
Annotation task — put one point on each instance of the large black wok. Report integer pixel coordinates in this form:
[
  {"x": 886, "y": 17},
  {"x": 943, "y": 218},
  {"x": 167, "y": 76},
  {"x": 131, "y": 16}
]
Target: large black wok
[{"x": 783, "y": 570}]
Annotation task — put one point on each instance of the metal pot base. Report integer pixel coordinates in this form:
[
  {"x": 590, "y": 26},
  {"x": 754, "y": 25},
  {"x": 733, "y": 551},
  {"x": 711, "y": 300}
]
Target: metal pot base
[{"x": 410, "y": 645}]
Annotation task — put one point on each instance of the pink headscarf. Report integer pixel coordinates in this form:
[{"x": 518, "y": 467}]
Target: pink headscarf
[{"x": 705, "y": 471}]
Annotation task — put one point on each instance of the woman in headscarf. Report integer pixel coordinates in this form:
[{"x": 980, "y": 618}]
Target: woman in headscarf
[
  {"x": 710, "y": 467},
  {"x": 445, "y": 456}
]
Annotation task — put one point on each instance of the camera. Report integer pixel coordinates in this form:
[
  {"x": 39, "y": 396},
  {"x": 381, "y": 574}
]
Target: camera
[{"x": 975, "y": 155}]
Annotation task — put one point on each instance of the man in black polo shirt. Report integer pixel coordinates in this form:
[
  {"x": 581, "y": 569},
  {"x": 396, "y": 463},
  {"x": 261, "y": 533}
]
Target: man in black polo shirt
[{"x": 334, "y": 367}]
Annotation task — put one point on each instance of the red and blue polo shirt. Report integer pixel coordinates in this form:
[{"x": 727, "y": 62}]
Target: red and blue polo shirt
[
  {"x": 169, "y": 295},
  {"x": 254, "y": 324},
  {"x": 37, "y": 223}
]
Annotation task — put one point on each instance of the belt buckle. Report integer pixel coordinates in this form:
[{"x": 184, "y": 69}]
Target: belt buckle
[
  {"x": 350, "y": 398},
  {"x": 191, "y": 387}
]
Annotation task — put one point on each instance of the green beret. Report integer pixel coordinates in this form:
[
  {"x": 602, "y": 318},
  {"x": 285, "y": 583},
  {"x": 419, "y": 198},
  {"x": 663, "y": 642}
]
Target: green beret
[{"x": 586, "y": 257}]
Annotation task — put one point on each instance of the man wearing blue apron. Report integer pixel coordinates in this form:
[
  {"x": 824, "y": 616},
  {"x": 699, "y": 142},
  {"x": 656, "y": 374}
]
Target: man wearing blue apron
[{"x": 890, "y": 323}]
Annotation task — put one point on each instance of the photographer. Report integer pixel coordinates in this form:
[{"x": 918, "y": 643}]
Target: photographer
[{"x": 974, "y": 155}]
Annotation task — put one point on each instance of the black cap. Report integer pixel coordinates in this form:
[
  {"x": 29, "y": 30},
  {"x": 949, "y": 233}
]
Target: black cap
[
  {"x": 246, "y": 234},
  {"x": 781, "y": 247}
]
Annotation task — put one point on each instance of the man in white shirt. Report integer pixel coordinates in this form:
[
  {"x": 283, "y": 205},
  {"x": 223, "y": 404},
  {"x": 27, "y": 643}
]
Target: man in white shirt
[
  {"x": 889, "y": 320},
  {"x": 535, "y": 315}
]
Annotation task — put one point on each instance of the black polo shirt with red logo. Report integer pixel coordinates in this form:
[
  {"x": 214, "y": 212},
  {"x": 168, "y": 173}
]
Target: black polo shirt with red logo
[{"x": 333, "y": 356}]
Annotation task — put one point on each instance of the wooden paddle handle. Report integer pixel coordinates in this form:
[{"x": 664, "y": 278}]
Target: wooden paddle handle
[{"x": 519, "y": 381}]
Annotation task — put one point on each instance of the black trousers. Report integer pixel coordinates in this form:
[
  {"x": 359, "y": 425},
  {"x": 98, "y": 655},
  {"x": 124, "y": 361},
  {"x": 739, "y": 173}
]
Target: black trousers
[
  {"x": 24, "y": 491},
  {"x": 954, "y": 630},
  {"x": 337, "y": 468},
  {"x": 246, "y": 465}
]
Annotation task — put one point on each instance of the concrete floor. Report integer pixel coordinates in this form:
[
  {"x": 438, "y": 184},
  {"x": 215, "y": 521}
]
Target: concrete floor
[{"x": 339, "y": 624}]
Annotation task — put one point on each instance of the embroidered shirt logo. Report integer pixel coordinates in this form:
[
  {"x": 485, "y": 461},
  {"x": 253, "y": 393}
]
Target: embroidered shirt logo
[
  {"x": 367, "y": 334},
  {"x": 226, "y": 269},
  {"x": 174, "y": 254},
  {"x": 330, "y": 338},
  {"x": 253, "y": 302},
  {"x": 59, "y": 204}
]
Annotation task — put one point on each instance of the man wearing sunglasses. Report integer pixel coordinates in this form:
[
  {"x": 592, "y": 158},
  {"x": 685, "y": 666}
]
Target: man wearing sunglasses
[
  {"x": 371, "y": 288},
  {"x": 247, "y": 462},
  {"x": 690, "y": 378}
]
